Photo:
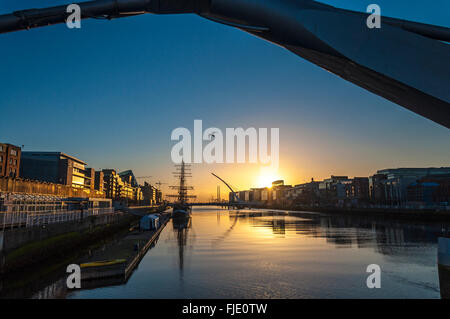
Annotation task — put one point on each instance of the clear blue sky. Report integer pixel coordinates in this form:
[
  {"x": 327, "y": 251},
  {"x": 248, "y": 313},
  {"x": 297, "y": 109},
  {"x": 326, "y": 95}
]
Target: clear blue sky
[{"x": 112, "y": 92}]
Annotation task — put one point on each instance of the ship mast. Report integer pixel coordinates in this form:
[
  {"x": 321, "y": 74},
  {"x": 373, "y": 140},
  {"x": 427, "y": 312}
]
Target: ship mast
[{"x": 182, "y": 172}]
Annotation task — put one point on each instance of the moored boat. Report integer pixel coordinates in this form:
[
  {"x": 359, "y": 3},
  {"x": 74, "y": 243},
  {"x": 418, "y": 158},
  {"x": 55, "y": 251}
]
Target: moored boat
[
  {"x": 181, "y": 208},
  {"x": 181, "y": 211}
]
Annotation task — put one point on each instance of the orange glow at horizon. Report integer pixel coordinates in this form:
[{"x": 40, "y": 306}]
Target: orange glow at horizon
[{"x": 266, "y": 179}]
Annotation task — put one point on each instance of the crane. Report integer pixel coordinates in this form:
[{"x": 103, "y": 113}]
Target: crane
[
  {"x": 402, "y": 61},
  {"x": 159, "y": 184}
]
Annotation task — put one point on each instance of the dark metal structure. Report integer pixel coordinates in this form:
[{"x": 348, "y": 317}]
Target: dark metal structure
[
  {"x": 235, "y": 197},
  {"x": 403, "y": 61}
]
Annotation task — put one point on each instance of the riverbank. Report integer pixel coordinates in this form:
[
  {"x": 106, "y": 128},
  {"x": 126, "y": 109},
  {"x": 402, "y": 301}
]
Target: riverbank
[
  {"x": 121, "y": 258},
  {"x": 28, "y": 281},
  {"x": 25, "y": 247}
]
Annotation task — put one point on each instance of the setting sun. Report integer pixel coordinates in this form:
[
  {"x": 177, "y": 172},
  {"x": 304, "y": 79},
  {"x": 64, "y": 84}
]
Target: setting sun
[{"x": 266, "y": 179}]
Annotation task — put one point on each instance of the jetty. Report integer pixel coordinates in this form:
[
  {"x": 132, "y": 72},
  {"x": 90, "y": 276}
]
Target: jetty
[{"x": 121, "y": 257}]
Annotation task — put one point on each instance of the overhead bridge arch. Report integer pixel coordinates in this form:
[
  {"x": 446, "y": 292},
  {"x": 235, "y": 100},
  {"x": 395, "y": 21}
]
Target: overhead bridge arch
[{"x": 404, "y": 61}]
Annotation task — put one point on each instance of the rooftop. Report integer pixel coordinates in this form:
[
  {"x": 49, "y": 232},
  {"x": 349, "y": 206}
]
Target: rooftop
[{"x": 60, "y": 154}]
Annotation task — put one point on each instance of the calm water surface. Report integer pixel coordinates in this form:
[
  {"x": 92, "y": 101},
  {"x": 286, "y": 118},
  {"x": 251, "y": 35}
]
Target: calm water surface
[{"x": 263, "y": 254}]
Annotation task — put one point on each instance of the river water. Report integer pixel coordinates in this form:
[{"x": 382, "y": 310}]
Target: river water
[{"x": 276, "y": 254}]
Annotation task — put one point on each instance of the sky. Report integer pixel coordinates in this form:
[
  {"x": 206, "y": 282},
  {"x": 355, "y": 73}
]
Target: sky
[{"x": 111, "y": 93}]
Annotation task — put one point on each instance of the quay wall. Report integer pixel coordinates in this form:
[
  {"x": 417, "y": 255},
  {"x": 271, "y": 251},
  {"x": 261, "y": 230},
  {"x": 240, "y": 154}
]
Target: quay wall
[{"x": 26, "y": 246}]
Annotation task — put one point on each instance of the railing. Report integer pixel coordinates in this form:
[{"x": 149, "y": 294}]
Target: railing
[{"x": 31, "y": 219}]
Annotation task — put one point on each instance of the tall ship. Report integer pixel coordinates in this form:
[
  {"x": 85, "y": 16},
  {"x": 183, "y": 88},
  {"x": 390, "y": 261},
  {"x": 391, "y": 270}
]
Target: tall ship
[{"x": 181, "y": 208}]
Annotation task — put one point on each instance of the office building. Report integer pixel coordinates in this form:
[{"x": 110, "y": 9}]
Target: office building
[
  {"x": 55, "y": 167},
  {"x": 149, "y": 193},
  {"x": 398, "y": 179},
  {"x": 119, "y": 186},
  {"x": 430, "y": 190}
]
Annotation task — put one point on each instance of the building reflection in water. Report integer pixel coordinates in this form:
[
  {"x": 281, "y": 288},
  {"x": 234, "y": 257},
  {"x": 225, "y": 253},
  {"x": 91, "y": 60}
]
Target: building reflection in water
[
  {"x": 401, "y": 241},
  {"x": 348, "y": 231},
  {"x": 397, "y": 239}
]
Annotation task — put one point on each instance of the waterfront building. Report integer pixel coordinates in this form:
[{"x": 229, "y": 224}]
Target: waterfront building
[
  {"x": 335, "y": 189},
  {"x": 422, "y": 192},
  {"x": 306, "y": 193},
  {"x": 398, "y": 179},
  {"x": 377, "y": 188},
  {"x": 360, "y": 189},
  {"x": 149, "y": 193},
  {"x": 120, "y": 187},
  {"x": 256, "y": 194},
  {"x": 400, "y": 186},
  {"x": 131, "y": 186},
  {"x": 265, "y": 193},
  {"x": 99, "y": 181},
  {"x": 158, "y": 196},
  {"x": 55, "y": 167},
  {"x": 430, "y": 190},
  {"x": 279, "y": 192},
  {"x": 90, "y": 172},
  {"x": 26, "y": 186},
  {"x": 112, "y": 183},
  {"x": 129, "y": 178},
  {"x": 279, "y": 182},
  {"x": 9, "y": 160},
  {"x": 248, "y": 196}
]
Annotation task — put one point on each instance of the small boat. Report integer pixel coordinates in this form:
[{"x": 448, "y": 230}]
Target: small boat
[{"x": 102, "y": 263}]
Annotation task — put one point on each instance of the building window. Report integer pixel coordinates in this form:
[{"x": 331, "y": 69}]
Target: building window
[
  {"x": 1, "y": 159},
  {"x": 77, "y": 181},
  {"x": 13, "y": 152},
  {"x": 1, "y": 148}
]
